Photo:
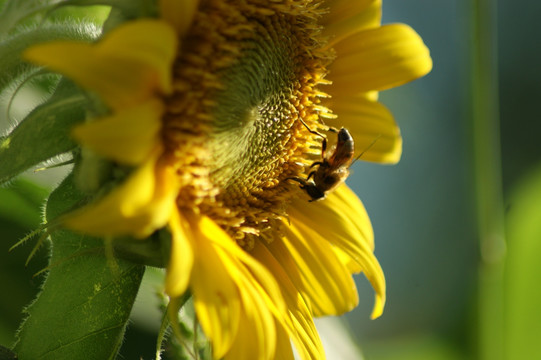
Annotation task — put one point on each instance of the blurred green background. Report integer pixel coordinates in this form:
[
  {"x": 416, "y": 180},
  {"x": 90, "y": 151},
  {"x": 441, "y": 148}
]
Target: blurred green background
[{"x": 448, "y": 298}]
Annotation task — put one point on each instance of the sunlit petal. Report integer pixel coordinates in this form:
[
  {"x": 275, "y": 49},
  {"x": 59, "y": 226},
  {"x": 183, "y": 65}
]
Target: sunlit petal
[
  {"x": 378, "y": 59},
  {"x": 342, "y": 220},
  {"x": 341, "y": 214},
  {"x": 128, "y": 136},
  {"x": 347, "y": 17},
  {"x": 257, "y": 325},
  {"x": 372, "y": 126},
  {"x": 217, "y": 297},
  {"x": 300, "y": 325},
  {"x": 326, "y": 281},
  {"x": 262, "y": 304},
  {"x": 283, "y": 345}
]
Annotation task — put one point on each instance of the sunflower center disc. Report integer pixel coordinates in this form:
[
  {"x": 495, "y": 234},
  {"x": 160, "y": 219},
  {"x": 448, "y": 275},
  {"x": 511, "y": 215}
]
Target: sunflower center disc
[{"x": 246, "y": 73}]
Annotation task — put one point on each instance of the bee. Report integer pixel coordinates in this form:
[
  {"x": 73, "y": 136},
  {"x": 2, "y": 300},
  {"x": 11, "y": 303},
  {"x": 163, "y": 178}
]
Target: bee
[{"x": 333, "y": 169}]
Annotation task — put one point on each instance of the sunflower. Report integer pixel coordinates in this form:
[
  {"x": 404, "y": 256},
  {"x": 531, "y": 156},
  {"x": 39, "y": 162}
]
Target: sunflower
[{"x": 213, "y": 107}]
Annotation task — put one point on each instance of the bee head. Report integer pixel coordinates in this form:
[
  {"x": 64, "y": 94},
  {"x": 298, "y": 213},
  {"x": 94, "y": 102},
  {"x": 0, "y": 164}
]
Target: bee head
[
  {"x": 344, "y": 135},
  {"x": 314, "y": 192}
]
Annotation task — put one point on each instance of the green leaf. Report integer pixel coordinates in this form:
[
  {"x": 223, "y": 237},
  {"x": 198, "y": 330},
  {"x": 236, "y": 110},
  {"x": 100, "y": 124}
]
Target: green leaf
[
  {"x": 86, "y": 300},
  {"x": 6, "y": 354},
  {"x": 63, "y": 198},
  {"x": 13, "y": 67},
  {"x": 523, "y": 295},
  {"x": 130, "y": 8},
  {"x": 21, "y": 203},
  {"x": 44, "y": 133},
  {"x": 21, "y": 209},
  {"x": 85, "y": 10},
  {"x": 14, "y": 11}
]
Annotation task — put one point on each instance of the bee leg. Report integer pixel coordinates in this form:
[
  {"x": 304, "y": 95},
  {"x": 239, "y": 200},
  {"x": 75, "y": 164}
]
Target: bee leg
[
  {"x": 319, "y": 163},
  {"x": 323, "y": 149},
  {"x": 312, "y": 131},
  {"x": 299, "y": 180},
  {"x": 332, "y": 129},
  {"x": 312, "y": 173}
]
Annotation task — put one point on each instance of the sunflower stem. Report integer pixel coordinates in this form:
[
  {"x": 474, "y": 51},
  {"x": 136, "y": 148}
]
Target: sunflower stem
[{"x": 487, "y": 172}]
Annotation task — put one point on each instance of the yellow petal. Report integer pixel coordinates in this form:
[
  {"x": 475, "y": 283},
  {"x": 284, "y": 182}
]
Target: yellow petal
[
  {"x": 257, "y": 325},
  {"x": 379, "y": 59},
  {"x": 341, "y": 214},
  {"x": 262, "y": 302},
  {"x": 355, "y": 245},
  {"x": 347, "y": 17},
  {"x": 179, "y": 13},
  {"x": 181, "y": 259},
  {"x": 263, "y": 305},
  {"x": 128, "y": 136},
  {"x": 369, "y": 95},
  {"x": 327, "y": 282},
  {"x": 332, "y": 218},
  {"x": 372, "y": 126},
  {"x": 217, "y": 297},
  {"x": 249, "y": 269},
  {"x": 345, "y": 259},
  {"x": 138, "y": 207},
  {"x": 129, "y": 65},
  {"x": 300, "y": 325},
  {"x": 283, "y": 345},
  {"x": 342, "y": 220}
]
